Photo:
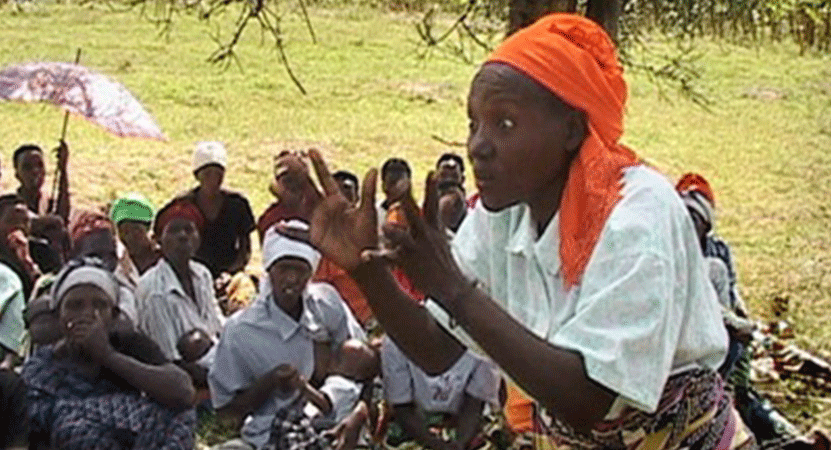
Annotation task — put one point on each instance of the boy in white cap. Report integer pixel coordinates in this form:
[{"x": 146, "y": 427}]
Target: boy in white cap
[
  {"x": 248, "y": 379},
  {"x": 226, "y": 240}
]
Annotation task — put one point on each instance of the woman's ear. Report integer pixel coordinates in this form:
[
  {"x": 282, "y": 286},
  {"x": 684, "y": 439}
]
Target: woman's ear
[{"x": 577, "y": 130}]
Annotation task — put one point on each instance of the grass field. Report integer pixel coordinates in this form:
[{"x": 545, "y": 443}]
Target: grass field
[{"x": 371, "y": 97}]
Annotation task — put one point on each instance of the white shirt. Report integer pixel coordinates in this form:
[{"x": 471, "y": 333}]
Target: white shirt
[
  {"x": 166, "y": 312},
  {"x": 262, "y": 336},
  {"x": 404, "y": 382},
  {"x": 644, "y": 307},
  {"x": 342, "y": 393}
]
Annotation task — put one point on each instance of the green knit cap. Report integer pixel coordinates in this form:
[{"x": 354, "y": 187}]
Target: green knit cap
[{"x": 132, "y": 207}]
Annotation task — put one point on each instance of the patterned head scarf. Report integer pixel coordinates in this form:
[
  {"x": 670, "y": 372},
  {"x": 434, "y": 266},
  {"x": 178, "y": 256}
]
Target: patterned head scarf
[
  {"x": 574, "y": 59},
  {"x": 179, "y": 209},
  {"x": 87, "y": 223}
]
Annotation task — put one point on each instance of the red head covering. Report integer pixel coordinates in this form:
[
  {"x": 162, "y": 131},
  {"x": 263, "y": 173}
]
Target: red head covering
[
  {"x": 575, "y": 59},
  {"x": 179, "y": 209},
  {"x": 695, "y": 182},
  {"x": 89, "y": 222}
]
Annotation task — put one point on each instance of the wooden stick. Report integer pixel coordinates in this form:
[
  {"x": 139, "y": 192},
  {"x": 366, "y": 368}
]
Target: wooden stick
[
  {"x": 66, "y": 116},
  {"x": 52, "y": 202}
]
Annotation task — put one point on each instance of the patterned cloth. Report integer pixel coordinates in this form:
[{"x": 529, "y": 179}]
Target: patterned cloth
[
  {"x": 694, "y": 412},
  {"x": 293, "y": 430},
  {"x": 74, "y": 412}
]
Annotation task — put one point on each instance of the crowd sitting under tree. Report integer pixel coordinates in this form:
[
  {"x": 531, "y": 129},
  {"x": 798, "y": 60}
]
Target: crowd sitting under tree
[{"x": 603, "y": 294}]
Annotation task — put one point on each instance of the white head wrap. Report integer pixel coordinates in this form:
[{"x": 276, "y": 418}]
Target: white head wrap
[
  {"x": 699, "y": 203},
  {"x": 210, "y": 152},
  {"x": 95, "y": 276},
  {"x": 276, "y": 246}
]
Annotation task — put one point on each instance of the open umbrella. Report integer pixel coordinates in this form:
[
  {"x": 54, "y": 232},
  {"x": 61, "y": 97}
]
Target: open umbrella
[{"x": 83, "y": 92}]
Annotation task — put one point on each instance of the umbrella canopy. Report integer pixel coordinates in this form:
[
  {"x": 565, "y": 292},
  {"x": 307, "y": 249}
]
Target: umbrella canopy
[{"x": 83, "y": 92}]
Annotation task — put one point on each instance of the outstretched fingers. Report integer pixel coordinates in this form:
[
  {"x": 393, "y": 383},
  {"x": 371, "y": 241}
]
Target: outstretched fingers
[
  {"x": 431, "y": 200},
  {"x": 329, "y": 185},
  {"x": 368, "y": 192}
]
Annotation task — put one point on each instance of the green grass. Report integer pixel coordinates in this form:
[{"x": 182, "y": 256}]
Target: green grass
[{"x": 370, "y": 97}]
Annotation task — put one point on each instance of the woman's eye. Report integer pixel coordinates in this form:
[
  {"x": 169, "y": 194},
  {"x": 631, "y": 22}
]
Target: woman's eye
[{"x": 506, "y": 124}]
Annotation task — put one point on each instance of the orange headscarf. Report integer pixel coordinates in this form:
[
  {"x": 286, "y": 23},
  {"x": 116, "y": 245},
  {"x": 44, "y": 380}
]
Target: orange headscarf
[
  {"x": 575, "y": 59},
  {"x": 695, "y": 182}
]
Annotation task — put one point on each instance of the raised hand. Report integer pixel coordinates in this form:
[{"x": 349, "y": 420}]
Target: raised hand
[
  {"x": 18, "y": 243},
  {"x": 62, "y": 151},
  {"x": 338, "y": 229}
]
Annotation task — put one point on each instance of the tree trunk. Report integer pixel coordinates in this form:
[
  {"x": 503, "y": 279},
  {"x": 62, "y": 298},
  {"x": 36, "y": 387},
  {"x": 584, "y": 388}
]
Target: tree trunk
[
  {"x": 522, "y": 13},
  {"x": 606, "y": 13}
]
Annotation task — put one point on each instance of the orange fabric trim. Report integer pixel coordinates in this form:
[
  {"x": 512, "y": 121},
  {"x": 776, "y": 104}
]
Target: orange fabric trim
[
  {"x": 575, "y": 59},
  {"x": 519, "y": 411},
  {"x": 695, "y": 182}
]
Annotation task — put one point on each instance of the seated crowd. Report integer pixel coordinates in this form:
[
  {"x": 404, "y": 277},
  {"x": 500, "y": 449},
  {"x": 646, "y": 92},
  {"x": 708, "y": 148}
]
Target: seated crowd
[{"x": 115, "y": 327}]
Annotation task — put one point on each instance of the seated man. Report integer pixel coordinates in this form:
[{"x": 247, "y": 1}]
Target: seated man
[
  {"x": 177, "y": 295},
  {"x": 27, "y": 256},
  {"x": 14, "y": 245},
  {"x": 456, "y": 397},
  {"x": 280, "y": 328},
  {"x": 294, "y": 191},
  {"x": 450, "y": 171},
  {"x": 225, "y": 247},
  {"x": 132, "y": 216},
  {"x": 30, "y": 170},
  {"x": 396, "y": 182}
]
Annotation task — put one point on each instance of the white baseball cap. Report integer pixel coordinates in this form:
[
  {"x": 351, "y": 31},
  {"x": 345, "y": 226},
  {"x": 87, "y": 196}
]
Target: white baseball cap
[{"x": 209, "y": 152}]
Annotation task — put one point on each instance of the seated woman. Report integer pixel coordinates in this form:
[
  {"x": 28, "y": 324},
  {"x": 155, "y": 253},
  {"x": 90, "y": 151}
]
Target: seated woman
[
  {"x": 177, "y": 294},
  {"x": 132, "y": 216},
  {"x": 98, "y": 389}
]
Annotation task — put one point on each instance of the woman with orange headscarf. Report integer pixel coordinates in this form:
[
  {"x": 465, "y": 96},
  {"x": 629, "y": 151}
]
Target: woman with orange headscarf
[{"x": 577, "y": 272}]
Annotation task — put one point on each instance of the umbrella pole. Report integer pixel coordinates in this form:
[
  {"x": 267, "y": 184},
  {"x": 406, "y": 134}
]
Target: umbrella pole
[{"x": 52, "y": 202}]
